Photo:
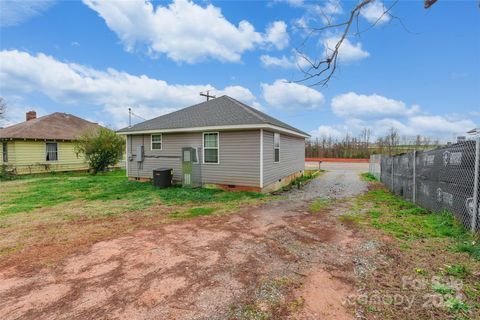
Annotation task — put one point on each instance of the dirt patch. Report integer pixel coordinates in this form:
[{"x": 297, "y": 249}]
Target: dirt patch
[
  {"x": 249, "y": 262},
  {"x": 324, "y": 296}
]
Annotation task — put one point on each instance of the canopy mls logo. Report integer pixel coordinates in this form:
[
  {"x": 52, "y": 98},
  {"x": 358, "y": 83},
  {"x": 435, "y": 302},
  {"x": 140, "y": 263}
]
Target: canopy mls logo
[
  {"x": 424, "y": 189},
  {"x": 429, "y": 160},
  {"x": 470, "y": 205},
  {"x": 452, "y": 158},
  {"x": 444, "y": 197}
]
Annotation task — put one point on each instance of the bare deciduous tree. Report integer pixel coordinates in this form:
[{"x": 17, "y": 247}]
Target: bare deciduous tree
[
  {"x": 361, "y": 147},
  {"x": 3, "y": 108}
]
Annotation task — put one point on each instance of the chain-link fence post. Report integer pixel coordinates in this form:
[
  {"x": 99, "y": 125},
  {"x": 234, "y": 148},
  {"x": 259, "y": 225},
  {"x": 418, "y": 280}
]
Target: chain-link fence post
[
  {"x": 393, "y": 175},
  {"x": 476, "y": 185},
  {"x": 414, "y": 187}
]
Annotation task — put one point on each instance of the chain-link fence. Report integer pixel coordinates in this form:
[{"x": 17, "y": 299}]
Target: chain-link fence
[
  {"x": 443, "y": 179},
  {"x": 374, "y": 166}
]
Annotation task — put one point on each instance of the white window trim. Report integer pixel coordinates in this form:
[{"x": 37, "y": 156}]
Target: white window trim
[
  {"x": 279, "y": 147},
  {"x": 203, "y": 147},
  {"x": 58, "y": 152},
  {"x": 4, "y": 143},
  {"x": 196, "y": 156},
  {"x": 161, "y": 141}
]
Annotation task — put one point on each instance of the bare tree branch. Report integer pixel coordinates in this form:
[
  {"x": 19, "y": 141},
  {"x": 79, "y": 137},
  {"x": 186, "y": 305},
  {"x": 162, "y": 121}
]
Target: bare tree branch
[
  {"x": 428, "y": 3},
  {"x": 322, "y": 69},
  {"x": 325, "y": 67}
]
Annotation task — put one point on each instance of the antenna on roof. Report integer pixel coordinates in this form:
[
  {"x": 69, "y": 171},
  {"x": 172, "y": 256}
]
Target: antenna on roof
[{"x": 207, "y": 95}]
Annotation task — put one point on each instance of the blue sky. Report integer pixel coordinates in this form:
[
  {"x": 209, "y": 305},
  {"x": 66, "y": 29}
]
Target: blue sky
[{"x": 420, "y": 74}]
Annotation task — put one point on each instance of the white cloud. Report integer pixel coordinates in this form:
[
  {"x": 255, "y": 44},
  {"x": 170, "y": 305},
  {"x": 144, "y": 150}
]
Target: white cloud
[
  {"x": 440, "y": 124},
  {"x": 380, "y": 113},
  {"x": 115, "y": 91},
  {"x": 291, "y": 96},
  {"x": 277, "y": 35},
  {"x": 374, "y": 12},
  {"x": 16, "y": 110},
  {"x": 328, "y": 132},
  {"x": 294, "y": 61},
  {"x": 280, "y": 62},
  {"x": 354, "y": 105},
  {"x": 348, "y": 51},
  {"x": 433, "y": 126},
  {"x": 293, "y": 3},
  {"x": 16, "y": 12},
  {"x": 328, "y": 11},
  {"x": 242, "y": 94},
  {"x": 183, "y": 30}
]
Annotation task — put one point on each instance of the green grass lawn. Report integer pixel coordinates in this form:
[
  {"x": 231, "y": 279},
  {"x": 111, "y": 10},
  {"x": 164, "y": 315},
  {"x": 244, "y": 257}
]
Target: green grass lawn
[
  {"x": 60, "y": 213},
  {"x": 48, "y": 191},
  {"x": 424, "y": 246}
]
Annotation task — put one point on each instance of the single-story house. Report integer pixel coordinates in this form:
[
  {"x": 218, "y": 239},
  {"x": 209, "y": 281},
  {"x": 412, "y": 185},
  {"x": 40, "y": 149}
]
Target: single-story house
[
  {"x": 43, "y": 144},
  {"x": 220, "y": 142}
]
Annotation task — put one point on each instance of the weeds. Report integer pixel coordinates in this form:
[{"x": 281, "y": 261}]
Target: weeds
[
  {"x": 456, "y": 270},
  {"x": 193, "y": 212},
  {"x": 367, "y": 176},
  {"x": 319, "y": 204},
  {"x": 303, "y": 179},
  {"x": 423, "y": 244}
]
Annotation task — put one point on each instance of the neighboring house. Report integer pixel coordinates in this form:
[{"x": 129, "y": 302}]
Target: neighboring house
[
  {"x": 232, "y": 146},
  {"x": 44, "y": 144}
]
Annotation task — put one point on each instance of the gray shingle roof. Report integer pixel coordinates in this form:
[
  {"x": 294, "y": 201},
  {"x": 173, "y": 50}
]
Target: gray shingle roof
[{"x": 222, "y": 111}]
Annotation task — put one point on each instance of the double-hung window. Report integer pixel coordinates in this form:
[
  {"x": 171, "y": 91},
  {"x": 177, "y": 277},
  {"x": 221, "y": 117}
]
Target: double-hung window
[
  {"x": 51, "y": 151},
  {"x": 210, "y": 147},
  {"x": 4, "y": 152},
  {"x": 276, "y": 147},
  {"x": 156, "y": 142}
]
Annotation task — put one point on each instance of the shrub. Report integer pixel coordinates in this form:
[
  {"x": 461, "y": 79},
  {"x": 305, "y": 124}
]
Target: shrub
[{"x": 102, "y": 148}]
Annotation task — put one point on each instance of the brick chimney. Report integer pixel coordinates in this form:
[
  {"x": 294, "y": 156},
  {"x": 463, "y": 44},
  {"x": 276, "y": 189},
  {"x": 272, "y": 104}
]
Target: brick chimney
[{"x": 30, "y": 115}]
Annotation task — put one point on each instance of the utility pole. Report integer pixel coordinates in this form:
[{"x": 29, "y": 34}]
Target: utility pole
[
  {"x": 207, "y": 95},
  {"x": 129, "y": 117}
]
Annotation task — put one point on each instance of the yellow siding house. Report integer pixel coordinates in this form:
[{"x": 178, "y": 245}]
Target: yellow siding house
[{"x": 43, "y": 144}]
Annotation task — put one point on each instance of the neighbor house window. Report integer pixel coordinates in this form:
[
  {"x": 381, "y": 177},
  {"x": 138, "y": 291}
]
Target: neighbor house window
[
  {"x": 5, "y": 152},
  {"x": 210, "y": 147},
  {"x": 51, "y": 153},
  {"x": 276, "y": 147},
  {"x": 156, "y": 142}
]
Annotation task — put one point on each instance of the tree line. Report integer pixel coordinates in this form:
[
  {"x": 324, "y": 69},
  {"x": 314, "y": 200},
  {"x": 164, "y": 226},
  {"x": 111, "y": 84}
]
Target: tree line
[{"x": 363, "y": 145}]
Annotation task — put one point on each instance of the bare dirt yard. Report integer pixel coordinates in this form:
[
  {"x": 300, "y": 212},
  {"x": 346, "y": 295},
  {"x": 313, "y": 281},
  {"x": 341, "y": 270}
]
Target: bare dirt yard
[{"x": 310, "y": 253}]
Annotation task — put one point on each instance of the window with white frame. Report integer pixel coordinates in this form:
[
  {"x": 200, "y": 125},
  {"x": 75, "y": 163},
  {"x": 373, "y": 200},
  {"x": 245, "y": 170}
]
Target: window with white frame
[
  {"x": 4, "y": 152},
  {"x": 210, "y": 147},
  {"x": 276, "y": 147},
  {"x": 156, "y": 141},
  {"x": 51, "y": 151}
]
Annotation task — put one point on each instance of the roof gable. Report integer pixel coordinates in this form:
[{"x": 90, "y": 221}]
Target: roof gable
[
  {"x": 55, "y": 126},
  {"x": 222, "y": 111}
]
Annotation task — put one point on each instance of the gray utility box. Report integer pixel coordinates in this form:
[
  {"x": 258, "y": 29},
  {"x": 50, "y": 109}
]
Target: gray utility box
[
  {"x": 140, "y": 150},
  {"x": 162, "y": 177}
]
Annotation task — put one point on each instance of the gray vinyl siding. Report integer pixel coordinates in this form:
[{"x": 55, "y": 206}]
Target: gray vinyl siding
[
  {"x": 239, "y": 157},
  {"x": 292, "y": 157},
  {"x": 239, "y": 160}
]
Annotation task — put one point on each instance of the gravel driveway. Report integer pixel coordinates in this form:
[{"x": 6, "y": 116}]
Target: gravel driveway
[{"x": 213, "y": 267}]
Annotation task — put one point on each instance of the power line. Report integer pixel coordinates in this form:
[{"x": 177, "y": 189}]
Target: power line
[{"x": 130, "y": 114}]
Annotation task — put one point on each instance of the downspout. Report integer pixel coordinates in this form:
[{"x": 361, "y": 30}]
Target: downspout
[
  {"x": 261, "y": 158},
  {"x": 126, "y": 156}
]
